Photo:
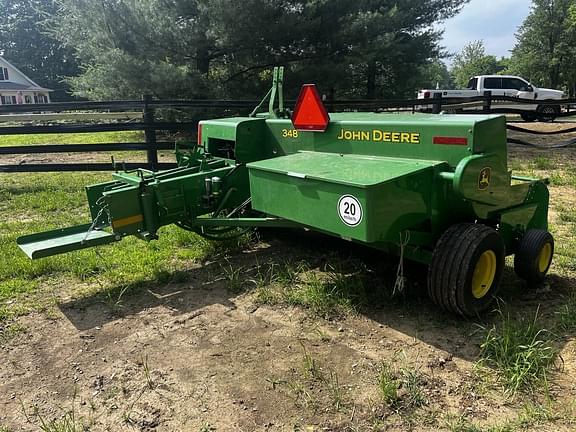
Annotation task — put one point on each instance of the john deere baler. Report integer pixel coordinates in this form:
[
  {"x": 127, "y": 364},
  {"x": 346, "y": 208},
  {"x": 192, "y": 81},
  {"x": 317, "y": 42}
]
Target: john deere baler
[{"x": 431, "y": 188}]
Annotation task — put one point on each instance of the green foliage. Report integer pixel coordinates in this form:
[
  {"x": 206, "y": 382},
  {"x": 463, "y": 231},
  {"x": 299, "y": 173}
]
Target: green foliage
[
  {"x": 471, "y": 61},
  {"x": 436, "y": 75},
  {"x": 543, "y": 163},
  {"x": 567, "y": 316},
  {"x": 388, "y": 385},
  {"x": 337, "y": 294},
  {"x": 401, "y": 389},
  {"x": 24, "y": 43},
  {"x": 546, "y": 49},
  {"x": 520, "y": 351},
  {"x": 212, "y": 48},
  {"x": 337, "y": 291}
]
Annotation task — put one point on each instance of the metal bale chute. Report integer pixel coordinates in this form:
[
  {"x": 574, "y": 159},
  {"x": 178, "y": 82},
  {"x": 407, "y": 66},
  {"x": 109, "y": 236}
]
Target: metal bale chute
[{"x": 431, "y": 188}]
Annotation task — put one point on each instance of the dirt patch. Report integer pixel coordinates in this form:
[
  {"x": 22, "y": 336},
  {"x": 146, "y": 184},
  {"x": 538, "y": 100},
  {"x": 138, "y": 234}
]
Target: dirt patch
[{"x": 201, "y": 358}]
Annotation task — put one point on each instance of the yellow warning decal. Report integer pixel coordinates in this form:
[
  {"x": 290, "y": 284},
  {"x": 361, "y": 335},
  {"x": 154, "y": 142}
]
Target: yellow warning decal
[{"x": 120, "y": 223}]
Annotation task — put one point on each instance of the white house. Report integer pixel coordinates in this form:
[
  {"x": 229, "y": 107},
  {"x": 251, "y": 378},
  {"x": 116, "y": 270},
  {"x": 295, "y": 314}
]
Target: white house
[{"x": 17, "y": 88}]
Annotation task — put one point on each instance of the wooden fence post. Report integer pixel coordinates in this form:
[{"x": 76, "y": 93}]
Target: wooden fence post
[
  {"x": 437, "y": 107},
  {"x": 150, "y": 133},
  {"x": 487, "y": 104}
]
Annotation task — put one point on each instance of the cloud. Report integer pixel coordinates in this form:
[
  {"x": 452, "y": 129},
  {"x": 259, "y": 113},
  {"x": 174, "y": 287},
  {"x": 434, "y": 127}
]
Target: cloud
[{"x": 493, "y": 21}]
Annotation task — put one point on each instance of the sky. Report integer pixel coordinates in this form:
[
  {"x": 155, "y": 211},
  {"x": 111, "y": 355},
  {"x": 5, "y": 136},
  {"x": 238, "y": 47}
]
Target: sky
[{"x": 493, "y": 21}]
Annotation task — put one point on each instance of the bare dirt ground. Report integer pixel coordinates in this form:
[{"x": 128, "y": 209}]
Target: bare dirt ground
[{"x": 195, "y": 357}]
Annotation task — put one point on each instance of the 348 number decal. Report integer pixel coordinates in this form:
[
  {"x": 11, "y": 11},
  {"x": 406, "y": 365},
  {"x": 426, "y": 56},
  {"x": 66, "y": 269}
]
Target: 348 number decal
[{"x": 289, "y": 133}]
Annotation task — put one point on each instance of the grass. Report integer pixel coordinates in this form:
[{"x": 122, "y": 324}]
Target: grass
[
  {"x": 313, "y": 387},
  {"x": 531, "y": 415},
  {"x": 388, "y": 385},
  {"x": 520, "y": 351},
  {"x": 9, "y": 331},
  {"x": 39, "y": 202},
  {"x": 543, "y": 163},
  {"x": 69, "y": 420},
  {"x": 82, "y": 138},
  {"x": 566, "y": 316},
  {"x": 77, "y": 138},
  {"x": 35, "y": 203},
  {"x": 339, "y": 290},
  {"x": 401, "y": 390},
  {"x": 310, "y": 367},
  {"x": 147, "y": 374}
]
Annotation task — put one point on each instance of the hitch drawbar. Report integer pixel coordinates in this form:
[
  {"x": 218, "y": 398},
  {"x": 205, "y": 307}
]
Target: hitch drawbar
[{"x": 64, "y": 240}]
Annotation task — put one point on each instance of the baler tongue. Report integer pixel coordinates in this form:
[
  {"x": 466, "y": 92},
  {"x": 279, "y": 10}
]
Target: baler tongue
[{"x": 63, "y": 240}]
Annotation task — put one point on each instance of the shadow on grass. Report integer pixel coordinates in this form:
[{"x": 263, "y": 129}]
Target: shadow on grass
[{"x": 410, "y": 312}]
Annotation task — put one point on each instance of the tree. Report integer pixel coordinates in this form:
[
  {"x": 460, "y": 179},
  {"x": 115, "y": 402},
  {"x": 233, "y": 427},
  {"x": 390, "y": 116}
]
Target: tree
[
  {"x": 436, "y": 75},
  {"x": 471, "y": 61},
  {"x": 24, "y": 42},
  {"x": 545, "y": 51},
  {"x": 202, "y": 48}
]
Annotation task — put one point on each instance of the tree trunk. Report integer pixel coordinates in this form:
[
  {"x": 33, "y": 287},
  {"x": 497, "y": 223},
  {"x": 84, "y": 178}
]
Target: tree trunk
[
  {"x": 203, "y": 60},
  {"x": 371, "y": 80}
]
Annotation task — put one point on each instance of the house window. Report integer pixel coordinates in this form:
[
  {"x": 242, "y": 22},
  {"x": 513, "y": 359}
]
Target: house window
[
  {"x": 7, "y": 100},
  {"x": 28, "y": 99},
  {"x": 3, "y": 74}
]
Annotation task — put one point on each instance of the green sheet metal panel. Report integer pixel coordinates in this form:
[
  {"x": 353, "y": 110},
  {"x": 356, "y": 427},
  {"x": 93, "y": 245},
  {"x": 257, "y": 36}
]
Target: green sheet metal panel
[
  {"x": 244, "y": 134},
  {"x": 410, "y": 136},
  {"x": 358, "y": 197}
]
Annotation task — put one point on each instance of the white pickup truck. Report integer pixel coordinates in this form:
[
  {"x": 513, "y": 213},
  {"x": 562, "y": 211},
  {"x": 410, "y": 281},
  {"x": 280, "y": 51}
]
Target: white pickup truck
[{"x": 505, "y": 85}]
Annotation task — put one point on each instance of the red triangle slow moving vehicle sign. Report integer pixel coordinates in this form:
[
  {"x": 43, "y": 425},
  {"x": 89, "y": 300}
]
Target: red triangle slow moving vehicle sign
[{"x": 310, "y": 113}]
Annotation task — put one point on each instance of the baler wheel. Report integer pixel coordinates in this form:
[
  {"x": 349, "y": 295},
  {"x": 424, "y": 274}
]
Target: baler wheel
[
  {"x": 534, "y": 256},
  {"x": 466, "y": 269}
]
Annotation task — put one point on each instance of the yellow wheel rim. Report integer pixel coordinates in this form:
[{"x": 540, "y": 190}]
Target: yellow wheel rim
[
  {"x": 544, "y": 257},
  {"x": 484, "y": 274}
]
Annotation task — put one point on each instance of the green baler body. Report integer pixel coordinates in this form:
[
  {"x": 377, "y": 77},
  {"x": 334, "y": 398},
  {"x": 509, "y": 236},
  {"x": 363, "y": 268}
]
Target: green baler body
[
  {"x": 394, "y": 194},
  {"x": 407, "y": 178}
]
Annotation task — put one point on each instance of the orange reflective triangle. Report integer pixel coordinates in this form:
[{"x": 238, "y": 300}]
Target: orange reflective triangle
[{"x": 310, "y": 113}]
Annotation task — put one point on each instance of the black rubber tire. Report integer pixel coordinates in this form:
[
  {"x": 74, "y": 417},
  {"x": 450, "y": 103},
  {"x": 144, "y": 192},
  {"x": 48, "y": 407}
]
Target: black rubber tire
[
  {"x": 529, "y": 117},
  {"x": 453, "y": 264},
  {"x": 526, "y": 260},
  {"x": 547, "y": 113}
]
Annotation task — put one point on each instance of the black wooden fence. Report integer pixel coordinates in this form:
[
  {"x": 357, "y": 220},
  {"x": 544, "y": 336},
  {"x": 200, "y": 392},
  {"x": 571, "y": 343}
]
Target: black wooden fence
[
  {"x": 148, "y": 124},
  {"x": 151, "y": 126}
]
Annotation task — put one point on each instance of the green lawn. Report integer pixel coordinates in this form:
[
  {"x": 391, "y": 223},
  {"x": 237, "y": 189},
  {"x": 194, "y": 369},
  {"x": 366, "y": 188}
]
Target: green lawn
[
  {"x": 32, "y": 203},
  {"x": 78, "y": 138}
]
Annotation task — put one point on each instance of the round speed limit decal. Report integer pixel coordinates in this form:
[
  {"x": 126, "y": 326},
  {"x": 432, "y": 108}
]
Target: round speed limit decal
[{"x": 350, "y": 210}]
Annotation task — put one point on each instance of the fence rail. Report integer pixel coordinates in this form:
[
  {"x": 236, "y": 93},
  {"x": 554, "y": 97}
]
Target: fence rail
[
  {"x": 149, "y": 125},
  {"x": 486, "y": 103}
]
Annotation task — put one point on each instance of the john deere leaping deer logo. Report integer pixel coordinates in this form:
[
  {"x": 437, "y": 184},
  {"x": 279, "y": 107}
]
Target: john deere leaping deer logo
[{"x": 484, "y": 178}]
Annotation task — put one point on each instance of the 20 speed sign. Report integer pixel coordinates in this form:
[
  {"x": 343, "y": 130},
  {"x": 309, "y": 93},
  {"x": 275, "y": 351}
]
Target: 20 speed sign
[{"x": 350, "y": 210}]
